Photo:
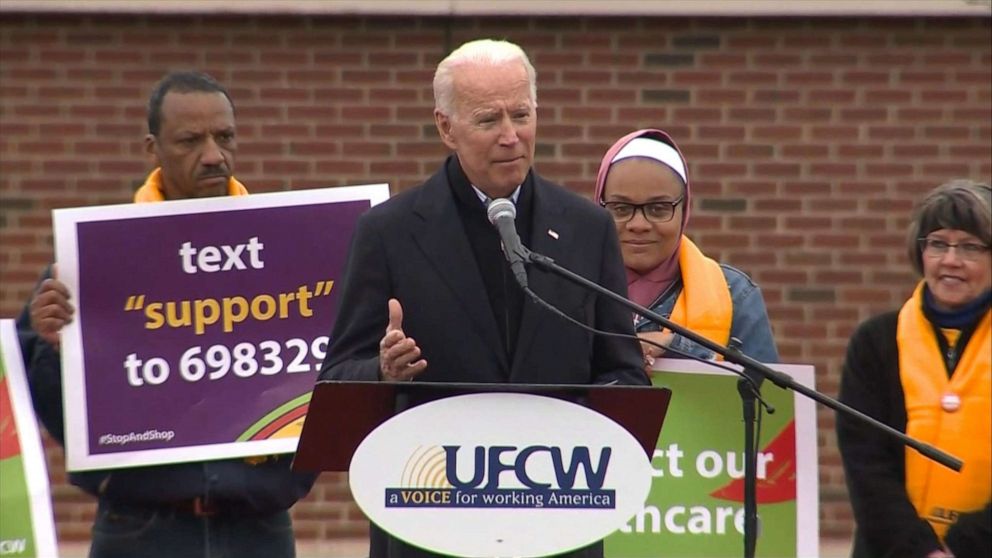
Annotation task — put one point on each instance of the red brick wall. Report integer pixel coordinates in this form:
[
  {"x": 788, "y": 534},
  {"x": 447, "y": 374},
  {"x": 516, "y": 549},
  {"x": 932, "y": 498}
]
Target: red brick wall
[{"x": 808, "y": 140}]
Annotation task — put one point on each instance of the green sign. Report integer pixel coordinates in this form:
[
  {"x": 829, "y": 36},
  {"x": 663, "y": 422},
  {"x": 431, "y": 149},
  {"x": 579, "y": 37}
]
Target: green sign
[
  {"x": 26, "y": 527},
  {"x": 695, "y": 507}
]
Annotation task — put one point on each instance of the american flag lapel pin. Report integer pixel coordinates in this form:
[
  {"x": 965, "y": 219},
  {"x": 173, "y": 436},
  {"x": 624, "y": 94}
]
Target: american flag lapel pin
[{"x": 553, "y": 234}]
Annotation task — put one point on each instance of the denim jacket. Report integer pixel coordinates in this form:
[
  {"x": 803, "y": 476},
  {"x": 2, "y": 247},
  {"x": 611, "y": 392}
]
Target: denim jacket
[{"x": 750, "y": 321}]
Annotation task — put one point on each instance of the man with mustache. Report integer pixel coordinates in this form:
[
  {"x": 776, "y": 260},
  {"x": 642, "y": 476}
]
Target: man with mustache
[
  {"x": 233, "y": 507},
  {"x": 428, "y": 295}
]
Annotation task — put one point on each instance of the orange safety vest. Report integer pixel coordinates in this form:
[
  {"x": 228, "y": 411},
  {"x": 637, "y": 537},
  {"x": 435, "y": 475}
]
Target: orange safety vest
[
  {"x": 704, "y": 305},
  {"x": 953, "y": 414},
  {"x": 151, "y": 190}
]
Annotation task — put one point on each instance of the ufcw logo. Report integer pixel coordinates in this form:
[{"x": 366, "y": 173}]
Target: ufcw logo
[{"x": 505, "y": 477}]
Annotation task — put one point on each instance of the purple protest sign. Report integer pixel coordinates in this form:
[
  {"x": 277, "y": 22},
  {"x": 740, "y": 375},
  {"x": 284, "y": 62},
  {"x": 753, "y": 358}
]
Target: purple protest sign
[{"x": 201, "y": 324}]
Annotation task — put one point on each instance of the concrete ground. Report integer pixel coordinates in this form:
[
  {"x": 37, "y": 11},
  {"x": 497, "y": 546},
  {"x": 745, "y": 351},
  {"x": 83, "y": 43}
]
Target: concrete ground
[{"x": 830, "y": 548}]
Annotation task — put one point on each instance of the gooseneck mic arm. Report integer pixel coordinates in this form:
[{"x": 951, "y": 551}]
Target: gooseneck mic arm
[
  {"x": 736, "y": 357},
  {"x": 753, "y": 373}
]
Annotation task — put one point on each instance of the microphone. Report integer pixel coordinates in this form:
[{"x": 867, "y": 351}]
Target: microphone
[{"x": 501, "y": 213}]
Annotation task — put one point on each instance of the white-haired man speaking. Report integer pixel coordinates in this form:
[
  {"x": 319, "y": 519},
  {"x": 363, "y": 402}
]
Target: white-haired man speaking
[{"x": 427, "y": 294}]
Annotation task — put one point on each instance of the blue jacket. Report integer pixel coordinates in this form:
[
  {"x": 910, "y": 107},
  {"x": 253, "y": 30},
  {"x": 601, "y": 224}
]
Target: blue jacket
[{"x": 749, "y": 324}]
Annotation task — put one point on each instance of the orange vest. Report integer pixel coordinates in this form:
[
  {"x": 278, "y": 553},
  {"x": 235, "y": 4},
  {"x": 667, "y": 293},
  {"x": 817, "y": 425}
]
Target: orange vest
[
  {"x": 704, "y": 305},
  {"x": 151, "y": 190},
  {"x": 953, "y": 414}
]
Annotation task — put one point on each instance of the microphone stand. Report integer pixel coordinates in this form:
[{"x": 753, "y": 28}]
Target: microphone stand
[{"x": 752, "y": 371}]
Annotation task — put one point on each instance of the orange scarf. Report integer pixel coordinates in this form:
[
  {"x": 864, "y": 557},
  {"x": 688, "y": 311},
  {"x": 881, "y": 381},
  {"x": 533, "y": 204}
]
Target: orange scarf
[
  {"x": 704, "y": 305},
  {"x": 151, "y": 190},
  {"x": 938, "y": 493}
]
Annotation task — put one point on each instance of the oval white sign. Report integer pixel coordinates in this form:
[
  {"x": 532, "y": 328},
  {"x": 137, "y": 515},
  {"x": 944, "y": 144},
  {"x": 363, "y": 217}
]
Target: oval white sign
[{"x": 500, "y": 474}]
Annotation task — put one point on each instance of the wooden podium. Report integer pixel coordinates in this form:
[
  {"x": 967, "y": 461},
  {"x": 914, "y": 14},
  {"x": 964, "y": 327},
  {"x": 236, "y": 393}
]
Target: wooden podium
[{"x": 342, "y": 414}]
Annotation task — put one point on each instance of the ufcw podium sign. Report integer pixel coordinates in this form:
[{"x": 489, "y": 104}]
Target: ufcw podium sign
[
  {"x": 500, "y": 474},
  {"x": 484, "y": 490}
]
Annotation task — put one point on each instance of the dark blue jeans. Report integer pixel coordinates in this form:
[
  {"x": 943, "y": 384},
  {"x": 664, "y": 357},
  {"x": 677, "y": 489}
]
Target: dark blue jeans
[{"x": 125, "y": 531}]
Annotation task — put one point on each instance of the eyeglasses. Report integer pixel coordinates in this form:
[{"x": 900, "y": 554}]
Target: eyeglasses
[
  {"x": 654, "y": 212},
  {"x": 936, "y": 248}
]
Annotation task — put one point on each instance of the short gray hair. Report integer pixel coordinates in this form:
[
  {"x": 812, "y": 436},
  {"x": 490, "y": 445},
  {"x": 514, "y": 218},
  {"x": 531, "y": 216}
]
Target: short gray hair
[
  {"x": 963, "y": 205},
  {"x": 482, "y": 51}
]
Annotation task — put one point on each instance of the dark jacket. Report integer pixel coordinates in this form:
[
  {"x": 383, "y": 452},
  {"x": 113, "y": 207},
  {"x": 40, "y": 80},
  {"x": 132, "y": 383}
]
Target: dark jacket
[
  {"x": 422, "y": 249},
  {"x": 888, "y": 525},
  {"x": 414, "y": 248}
]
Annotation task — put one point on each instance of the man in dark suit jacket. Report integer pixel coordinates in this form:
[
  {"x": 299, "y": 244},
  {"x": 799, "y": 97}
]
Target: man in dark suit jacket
[{"x": 427, "y": 294}]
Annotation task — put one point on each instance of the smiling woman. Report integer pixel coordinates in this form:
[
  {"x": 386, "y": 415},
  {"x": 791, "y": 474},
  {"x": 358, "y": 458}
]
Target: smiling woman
[
  {"x": 644, "y": 184},
  {"x": 949, "y": 243},
  {"x": 927, "y": 370}
]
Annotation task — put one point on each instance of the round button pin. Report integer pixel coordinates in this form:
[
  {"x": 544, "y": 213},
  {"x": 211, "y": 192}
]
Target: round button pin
[{"x": 950, "y": 402}]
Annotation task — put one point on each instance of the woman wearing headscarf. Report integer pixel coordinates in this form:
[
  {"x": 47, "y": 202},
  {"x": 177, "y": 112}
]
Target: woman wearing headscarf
[
  {"x": 644, "y": 183},
  {"x": 925, "y": 370}
]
